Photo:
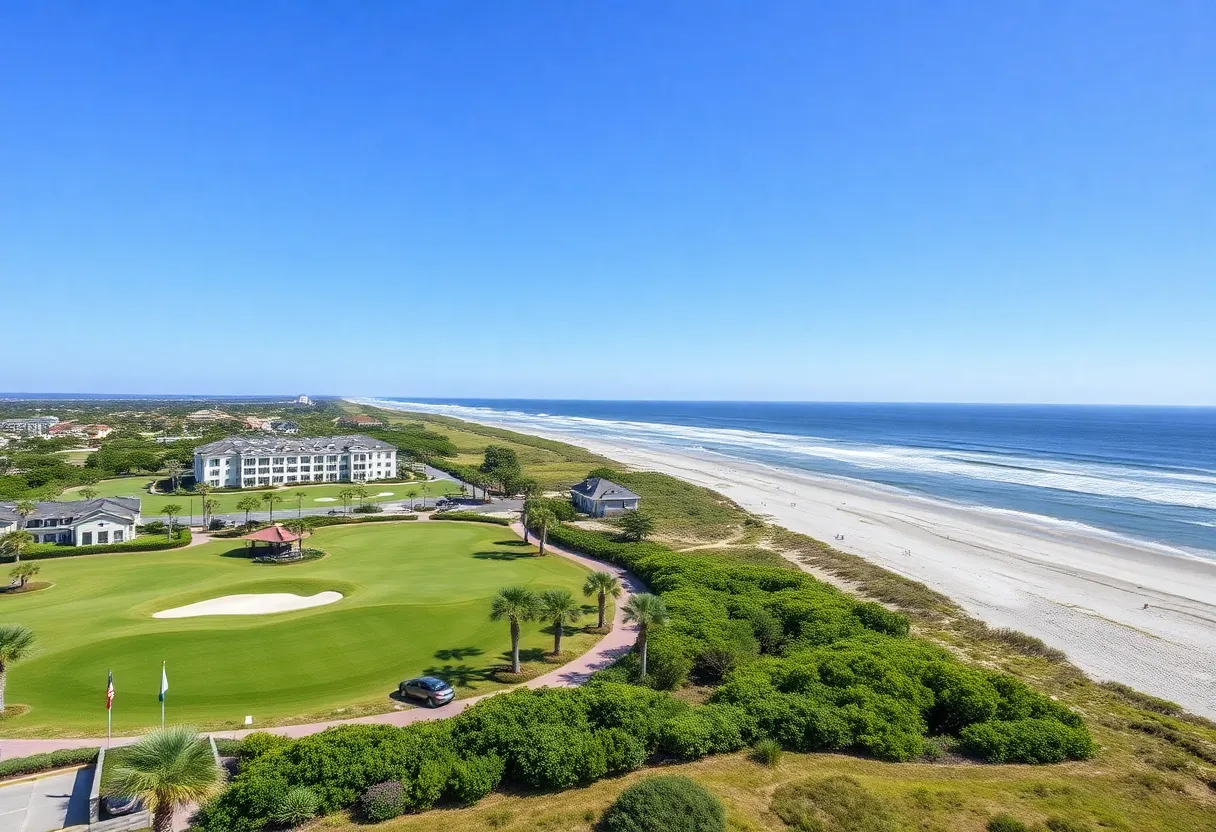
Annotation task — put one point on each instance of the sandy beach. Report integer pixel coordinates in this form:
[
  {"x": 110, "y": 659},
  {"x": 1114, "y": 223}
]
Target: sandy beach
[{"x": 1080, "y": 590}]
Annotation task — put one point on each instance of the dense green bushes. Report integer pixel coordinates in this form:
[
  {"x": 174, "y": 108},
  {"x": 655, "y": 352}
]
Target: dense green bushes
[
  {"x": 34, "y": 763},
  {"x": 793, "y": 660},
  {"x": 156, "y": 543},
  {"x": 383, "y": 801},
  {"x": 665, "y": 804},
  {"x": 472, "y": 517}
]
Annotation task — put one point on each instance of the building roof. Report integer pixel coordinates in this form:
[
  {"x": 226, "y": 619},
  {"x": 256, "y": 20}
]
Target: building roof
[
  {"x": 293, "y": 445},
  {"x": 598, "y": 488},
  {"x": 272, "y": 534},
  {"x": 119, "y": 506}
]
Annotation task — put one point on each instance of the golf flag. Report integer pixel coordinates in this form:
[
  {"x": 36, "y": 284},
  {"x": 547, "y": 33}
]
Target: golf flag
[
  {"x": 110, "y": 692},
  {"x": 164, "y": 682}
]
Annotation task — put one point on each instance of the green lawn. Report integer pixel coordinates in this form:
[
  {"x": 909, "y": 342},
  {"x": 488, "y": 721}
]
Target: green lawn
[
  {"x": 417, "y": 597},
  {"x": 153, "y": 504}
]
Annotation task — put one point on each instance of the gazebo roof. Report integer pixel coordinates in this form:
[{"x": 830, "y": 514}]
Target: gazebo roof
[{"x": 272, "y": 534}]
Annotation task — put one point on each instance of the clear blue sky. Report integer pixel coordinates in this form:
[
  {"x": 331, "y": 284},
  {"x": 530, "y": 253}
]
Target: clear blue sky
[{"x": 959, "y": 201}]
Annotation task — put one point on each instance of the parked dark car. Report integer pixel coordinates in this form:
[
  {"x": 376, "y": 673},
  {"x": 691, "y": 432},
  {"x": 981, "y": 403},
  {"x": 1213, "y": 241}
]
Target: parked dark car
[
  {"x": 434, "y": 692},
  {"x": 116, "y": 805}
]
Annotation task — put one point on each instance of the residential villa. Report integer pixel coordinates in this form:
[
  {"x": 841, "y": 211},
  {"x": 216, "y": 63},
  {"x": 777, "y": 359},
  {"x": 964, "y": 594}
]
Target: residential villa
[
  {"x": 78, "y": 523},
  {"x": 241, "y": 462},
  {"x": 36, "y": 426},
  {"x": 359, "y": 421},
  {"x": 283, "y": 426},
  {"x": 599, "y": 497}
]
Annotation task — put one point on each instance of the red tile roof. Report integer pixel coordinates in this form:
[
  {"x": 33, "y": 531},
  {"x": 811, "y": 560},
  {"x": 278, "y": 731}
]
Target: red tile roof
[{"x": 272, "y": 534}]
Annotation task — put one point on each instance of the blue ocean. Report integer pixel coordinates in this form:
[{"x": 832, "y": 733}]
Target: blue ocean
[{"x": 1144, "y": 472}]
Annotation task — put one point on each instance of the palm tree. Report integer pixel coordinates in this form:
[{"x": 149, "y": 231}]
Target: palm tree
[
  {"x": 299, "y": 495},
  {"x": 168, "y": 768},
  {"x": 16, "y": 643},
  {"x": 297, "y": 526},
  {"x": 602, "y": 584},
  {"x": 540, "y": 519},
  {"x": 558, "y": 606},
  {"x": 646, "y": 611},
  {"x": 171, "y": 510},
  {"x": 24, "y": 509},
  {"x": 516, "y": 604},
  {"x": 247, "y": 505},
  {"x": 209, "y": 507},
  {"x": 270, "y": 500},
  {"x": 361, "y": 492},
  {"x": 24, "y": 572},
  {"x": 88, "y": 493},
  {"x": 346, "y": 494},
  {"x": 16, "y": 542},
  {"x": 203, "y": 490}
]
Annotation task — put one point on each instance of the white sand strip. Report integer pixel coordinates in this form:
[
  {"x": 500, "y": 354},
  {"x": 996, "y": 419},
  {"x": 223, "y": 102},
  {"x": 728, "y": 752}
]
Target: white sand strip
[
  {"x": 259, "y": 604},
  {"x": 1078, "y": 589}
]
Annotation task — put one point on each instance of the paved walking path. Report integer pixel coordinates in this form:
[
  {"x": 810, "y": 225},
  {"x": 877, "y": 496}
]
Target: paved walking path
[
  {"x": 47, "y": 803},
  {"x": 609, "y": 648}
]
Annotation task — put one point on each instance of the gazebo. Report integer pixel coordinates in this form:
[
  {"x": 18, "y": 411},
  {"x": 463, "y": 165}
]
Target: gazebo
[{"x": 277, "y": 539}]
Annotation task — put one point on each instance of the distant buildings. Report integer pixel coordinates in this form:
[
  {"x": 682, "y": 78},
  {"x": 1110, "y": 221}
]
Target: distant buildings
[
  {"x": 599, "y": 497},
  {"x": 359, "y": 421},
  {"x": 303, "y": 401},
  {"x": 240, "y": 462},
  {"x": 77, "y": 523},
  {"x": 35, "y": 426},
  {"x": 283, "y": 426}
]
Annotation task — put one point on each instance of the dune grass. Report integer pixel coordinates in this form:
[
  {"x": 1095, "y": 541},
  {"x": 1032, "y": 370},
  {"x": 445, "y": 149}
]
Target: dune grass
[{"x": 416, "y": 599}]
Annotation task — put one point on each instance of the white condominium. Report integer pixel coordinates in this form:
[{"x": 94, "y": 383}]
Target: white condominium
[{"x": 238, "y": 462}]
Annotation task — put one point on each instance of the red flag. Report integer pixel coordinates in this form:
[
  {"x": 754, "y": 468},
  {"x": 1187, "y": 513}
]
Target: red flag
[{"x": 110, "y": 692}]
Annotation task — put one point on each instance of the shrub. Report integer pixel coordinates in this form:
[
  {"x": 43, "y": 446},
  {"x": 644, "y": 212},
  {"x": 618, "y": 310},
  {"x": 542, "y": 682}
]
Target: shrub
[
  {"x": 383, "y": 801},
  {"x": 552, "y": 758},
  {"x": 297, "y": 806},
  {"x": 882, "y": 620},
  {"x": 768, "y": 753},
  {"x": 472, "y": 517},
  {"x": 473, "y": 778},
  {"x": 710, "y": 729},
  {"x": 62, "y": 758},
  {"x": 839, "y": 804},
  {"x": 665, "y": 804},
  {"x": 1064, "y": 825},
  {"x": 368, "y": 508},
  {"x": 147, "y": 543},
  {"x": 1027, "y": 741},
  {"x": 259, "y": 743},
  {"x": 1006, "y": 823}
]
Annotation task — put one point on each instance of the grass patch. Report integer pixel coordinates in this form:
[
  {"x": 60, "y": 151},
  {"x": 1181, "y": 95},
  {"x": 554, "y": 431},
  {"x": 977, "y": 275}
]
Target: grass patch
[{"x": 416, "y": 600}]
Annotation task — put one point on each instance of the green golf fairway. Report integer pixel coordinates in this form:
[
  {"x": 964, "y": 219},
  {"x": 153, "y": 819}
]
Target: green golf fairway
[
  {"x": 416, "y": 600},
  {"x": 152, "y": 505}
]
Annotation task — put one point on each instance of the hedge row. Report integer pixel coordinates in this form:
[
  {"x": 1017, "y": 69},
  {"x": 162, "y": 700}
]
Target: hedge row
[
  {"x": 472, "y": 517},
  {"x": 16, "y": 766},
  {"x": 151, "y": 543}
]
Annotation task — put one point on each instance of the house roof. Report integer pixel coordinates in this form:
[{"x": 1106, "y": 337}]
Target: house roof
[
  {"x": 127, "y": 507},
  {"x": 598, "y": 488},
  {"x": 272, "y": 534},
  {"x": 293, "y": 445}
]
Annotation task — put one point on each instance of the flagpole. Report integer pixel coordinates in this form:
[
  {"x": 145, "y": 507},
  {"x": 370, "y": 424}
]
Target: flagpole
[
  {"x": 162, "y": 694},
  {"x": 109, "y": 707}
]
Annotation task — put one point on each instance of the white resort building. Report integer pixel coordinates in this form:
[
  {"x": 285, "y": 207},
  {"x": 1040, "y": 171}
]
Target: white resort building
[
  {"x": 239, "y": 462},
  {"x": 78, "y": 523}
]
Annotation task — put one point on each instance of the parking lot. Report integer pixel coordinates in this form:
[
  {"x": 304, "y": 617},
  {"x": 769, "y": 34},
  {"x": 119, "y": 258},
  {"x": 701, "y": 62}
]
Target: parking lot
[{"x": 46, "y": 804}]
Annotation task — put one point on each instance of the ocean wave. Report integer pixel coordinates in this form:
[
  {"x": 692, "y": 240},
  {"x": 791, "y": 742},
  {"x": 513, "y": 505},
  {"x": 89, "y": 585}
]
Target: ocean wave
[{"x": 1195, "y": 490}]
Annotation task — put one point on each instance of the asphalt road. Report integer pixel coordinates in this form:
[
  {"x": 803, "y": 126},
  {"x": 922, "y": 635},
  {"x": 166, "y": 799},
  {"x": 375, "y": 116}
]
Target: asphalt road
[{"x": 46, "y": 804}]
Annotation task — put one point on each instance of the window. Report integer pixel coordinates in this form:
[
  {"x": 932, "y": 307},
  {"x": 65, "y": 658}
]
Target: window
[
  {"x": 278, "y": 460},
  {"x": 117, "y": 536},
  {"x": 291, "y": 460},
  {"x": 264, "y": 460},
  {"x": 249, "y": 481},
  {"x": 86, "y": 539},
  {"x": 33, "y": 524},
  {"x": 291, "y": 478},
  {"x": 103, "y": 537},
  {"x": 215, "y": 463}
]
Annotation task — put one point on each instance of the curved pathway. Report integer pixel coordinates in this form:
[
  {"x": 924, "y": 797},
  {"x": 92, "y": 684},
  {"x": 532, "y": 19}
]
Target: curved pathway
[{"x": 606, "y": 651}]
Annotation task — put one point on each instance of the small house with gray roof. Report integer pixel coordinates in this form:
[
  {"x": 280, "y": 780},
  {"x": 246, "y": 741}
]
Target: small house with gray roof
[
  {"x": 599, "y": 497},
  {"x": 77, "y": 522}
]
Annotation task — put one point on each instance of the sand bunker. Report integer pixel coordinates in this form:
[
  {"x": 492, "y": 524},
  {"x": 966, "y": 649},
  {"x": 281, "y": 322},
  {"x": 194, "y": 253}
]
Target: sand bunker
[
  {"x": 385, "y": 494},
  {"x": 260, "y": 604},
  {"x": 327, "y": 499}
]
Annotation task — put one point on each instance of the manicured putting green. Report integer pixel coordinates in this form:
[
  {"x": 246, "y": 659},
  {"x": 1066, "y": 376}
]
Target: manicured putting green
[
  {"x": 416, "y": 599},
  {"x": 315, "y": 496}
]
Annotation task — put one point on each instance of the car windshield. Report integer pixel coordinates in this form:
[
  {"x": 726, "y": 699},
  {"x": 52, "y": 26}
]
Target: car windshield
[{"x": 432, "y": 684}]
